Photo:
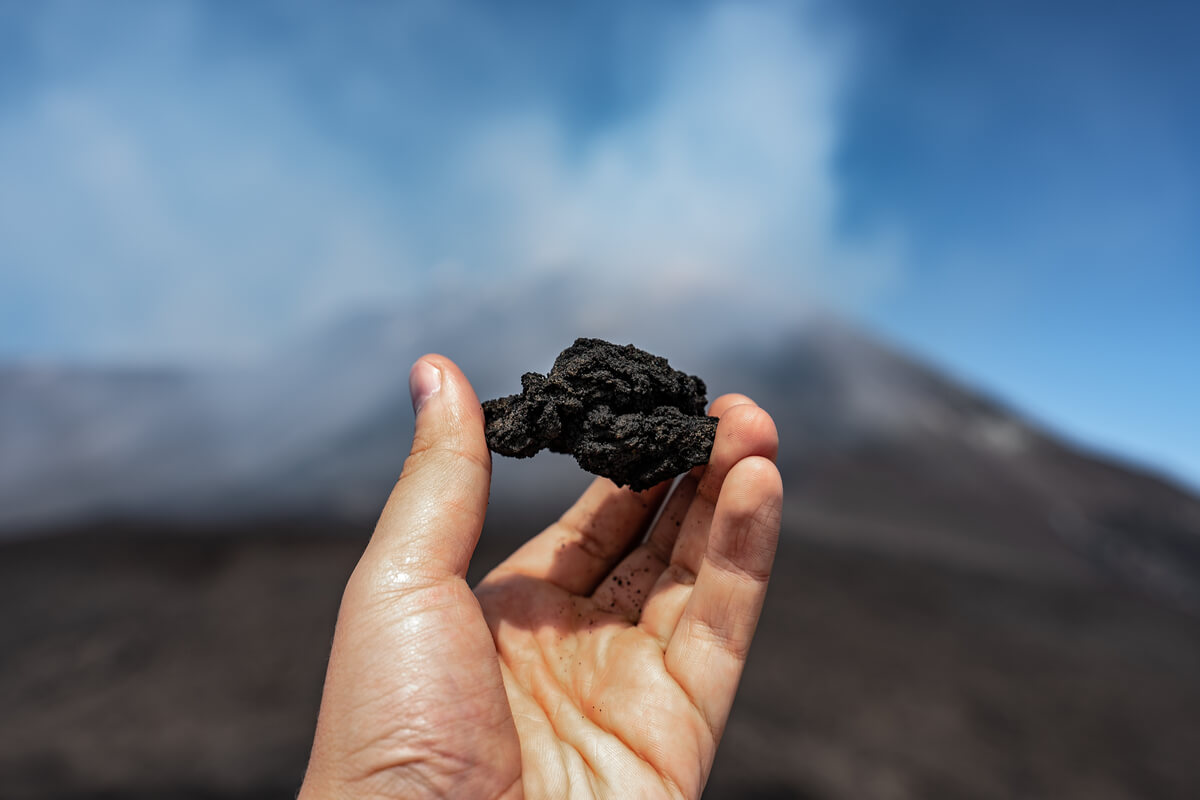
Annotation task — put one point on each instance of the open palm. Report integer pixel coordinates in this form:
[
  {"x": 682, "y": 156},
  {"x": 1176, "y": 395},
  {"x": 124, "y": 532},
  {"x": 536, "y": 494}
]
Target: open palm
[{"x": 600, "y": 659}]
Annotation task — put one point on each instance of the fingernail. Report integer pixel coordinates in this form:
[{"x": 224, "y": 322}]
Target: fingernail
[{"x": 424, "y": 381}]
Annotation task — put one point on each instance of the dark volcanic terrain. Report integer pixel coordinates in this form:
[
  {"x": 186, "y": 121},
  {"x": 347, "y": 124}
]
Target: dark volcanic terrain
[
  {"x": 963, "y": 605},
  {"x": 139, "y": 665}
]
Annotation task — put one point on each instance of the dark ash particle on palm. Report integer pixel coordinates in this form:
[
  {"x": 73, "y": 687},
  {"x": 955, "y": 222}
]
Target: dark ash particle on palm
[{"x": 622, "y": 412}]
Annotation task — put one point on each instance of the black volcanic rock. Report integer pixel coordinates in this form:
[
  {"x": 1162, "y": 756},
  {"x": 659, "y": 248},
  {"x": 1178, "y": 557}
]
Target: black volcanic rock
[{"x": 622, "y": 412}]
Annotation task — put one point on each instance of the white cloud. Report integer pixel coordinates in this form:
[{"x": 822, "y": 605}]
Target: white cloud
[
  {"x": 181, "y": 213},
  {"x": 725, "y": 182},
  {"x": 170, "y": 209}
]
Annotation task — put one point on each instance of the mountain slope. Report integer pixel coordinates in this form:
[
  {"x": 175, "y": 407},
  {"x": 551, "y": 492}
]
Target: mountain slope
[{"x": 875, "y": 446}]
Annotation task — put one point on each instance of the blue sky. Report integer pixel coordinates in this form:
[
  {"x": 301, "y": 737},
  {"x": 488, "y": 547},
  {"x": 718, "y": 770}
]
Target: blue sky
[
  {"x": 1043, "y": 160},
  {"x": 1008, "y": 189}
]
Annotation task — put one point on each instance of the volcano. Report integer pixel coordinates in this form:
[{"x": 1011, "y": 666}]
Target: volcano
[{"x": 965, "y": 604}]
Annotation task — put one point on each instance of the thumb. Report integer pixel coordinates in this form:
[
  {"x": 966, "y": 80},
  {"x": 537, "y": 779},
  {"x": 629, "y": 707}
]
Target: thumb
[{"x": 433, "y": 517}]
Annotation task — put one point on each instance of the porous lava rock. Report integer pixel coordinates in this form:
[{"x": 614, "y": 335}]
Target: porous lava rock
[{"x": 622, "y": 412}]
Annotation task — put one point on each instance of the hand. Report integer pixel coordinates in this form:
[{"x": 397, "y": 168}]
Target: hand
[{"x": 590, "y": 663}]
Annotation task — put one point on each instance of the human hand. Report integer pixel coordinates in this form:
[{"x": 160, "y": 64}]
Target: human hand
[{"x": 590, "y": 663}]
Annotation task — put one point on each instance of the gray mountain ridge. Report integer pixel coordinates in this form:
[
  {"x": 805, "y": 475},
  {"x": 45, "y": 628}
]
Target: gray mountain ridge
[{"x": 876, "y": 447}]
